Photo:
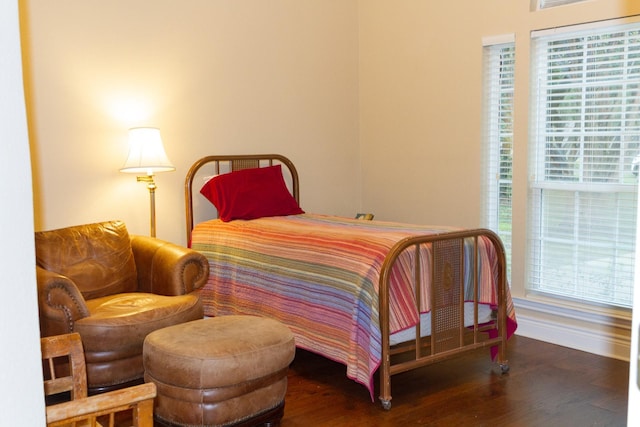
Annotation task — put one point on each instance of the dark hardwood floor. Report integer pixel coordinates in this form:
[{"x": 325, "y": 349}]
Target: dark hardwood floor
[{"x": 547, "y": 385}]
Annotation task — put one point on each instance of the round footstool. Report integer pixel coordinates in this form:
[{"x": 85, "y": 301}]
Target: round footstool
[{"x": 228, "y": 370}]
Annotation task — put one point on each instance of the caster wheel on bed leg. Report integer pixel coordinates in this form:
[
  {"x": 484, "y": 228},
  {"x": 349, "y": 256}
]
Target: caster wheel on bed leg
[
  {"x": 386, "y": 404},
  {"x": 504, "y": 367}
]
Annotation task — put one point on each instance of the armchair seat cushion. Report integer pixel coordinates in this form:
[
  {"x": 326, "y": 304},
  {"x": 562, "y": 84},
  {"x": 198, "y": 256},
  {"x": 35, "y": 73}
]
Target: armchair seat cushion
[
  {"x": 121, "y": 310},
  {"x": 118, "y": 324}
]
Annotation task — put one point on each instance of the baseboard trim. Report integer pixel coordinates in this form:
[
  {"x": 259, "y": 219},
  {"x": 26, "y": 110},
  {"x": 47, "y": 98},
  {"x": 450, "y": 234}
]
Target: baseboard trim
[{"x": 597, "y": 333}]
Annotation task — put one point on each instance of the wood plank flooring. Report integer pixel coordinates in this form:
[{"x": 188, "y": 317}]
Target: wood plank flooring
[{"x": 547, "y": 385}]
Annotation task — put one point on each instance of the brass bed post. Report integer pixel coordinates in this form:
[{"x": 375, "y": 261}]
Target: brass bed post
[
  {"x": 432, "y": 300},
  {"x": 502, "y": 299},
  {"x": 417, "y": 280},
  {"x": 502, "y": 305},
  {"x": 188, "y": 193},
  {"x": 385, "y": 357},
  {"x": 475, "y": 293}
]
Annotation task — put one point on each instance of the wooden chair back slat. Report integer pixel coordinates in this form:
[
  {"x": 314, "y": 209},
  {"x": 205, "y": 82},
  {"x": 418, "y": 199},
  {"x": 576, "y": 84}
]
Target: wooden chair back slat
[
  {"x": 65, "y": 371},
  {"x": 64, "y": 358}
]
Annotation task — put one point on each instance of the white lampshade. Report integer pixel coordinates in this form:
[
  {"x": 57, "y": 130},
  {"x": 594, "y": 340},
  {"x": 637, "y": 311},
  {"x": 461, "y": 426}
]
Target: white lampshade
[{"x": 146, "y": 152}]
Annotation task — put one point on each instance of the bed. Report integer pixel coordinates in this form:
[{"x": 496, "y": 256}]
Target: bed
[{"x": 373, "y": 295}]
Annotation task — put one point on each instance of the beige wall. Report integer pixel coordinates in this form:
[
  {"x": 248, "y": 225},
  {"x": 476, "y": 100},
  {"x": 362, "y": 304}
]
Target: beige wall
[
  {"x": 217, "y": 77},
  {"x": 394, "y": 86}
]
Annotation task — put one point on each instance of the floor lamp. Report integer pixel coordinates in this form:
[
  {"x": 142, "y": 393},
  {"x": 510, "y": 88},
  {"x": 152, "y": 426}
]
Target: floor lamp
[{"x": 147, "y": 156}]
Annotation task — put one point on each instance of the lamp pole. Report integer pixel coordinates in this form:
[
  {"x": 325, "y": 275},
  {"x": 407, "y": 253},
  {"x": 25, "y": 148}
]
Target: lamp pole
[{"x": 151, "y": 185}]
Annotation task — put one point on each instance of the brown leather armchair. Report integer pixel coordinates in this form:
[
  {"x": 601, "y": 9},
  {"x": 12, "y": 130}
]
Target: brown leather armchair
[{"x": 114, "y": 289}]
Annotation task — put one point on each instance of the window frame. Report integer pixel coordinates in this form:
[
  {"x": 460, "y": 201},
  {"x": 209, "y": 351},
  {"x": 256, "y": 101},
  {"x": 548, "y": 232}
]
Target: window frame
[{"x": 538, "y": 182}]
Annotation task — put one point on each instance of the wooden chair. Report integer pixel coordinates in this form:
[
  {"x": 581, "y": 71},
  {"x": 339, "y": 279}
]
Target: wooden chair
[{"x": 65, "y": 372}]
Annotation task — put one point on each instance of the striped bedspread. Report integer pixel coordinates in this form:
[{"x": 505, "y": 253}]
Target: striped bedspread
[{"x": 318, "y": 275}]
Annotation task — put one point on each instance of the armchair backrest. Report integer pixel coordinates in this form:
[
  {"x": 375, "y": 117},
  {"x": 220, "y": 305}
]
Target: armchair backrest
[{"x": 97, "y": 257}]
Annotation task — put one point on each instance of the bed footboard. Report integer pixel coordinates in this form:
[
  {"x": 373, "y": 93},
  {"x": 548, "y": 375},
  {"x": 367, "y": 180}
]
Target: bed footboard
[{"x": 450, "y": 336}]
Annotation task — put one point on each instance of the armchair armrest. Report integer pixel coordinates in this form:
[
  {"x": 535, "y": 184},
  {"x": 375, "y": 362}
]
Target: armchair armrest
[
  {"x": 168, "y": 269},
  {"x": 60, "y": 303}
]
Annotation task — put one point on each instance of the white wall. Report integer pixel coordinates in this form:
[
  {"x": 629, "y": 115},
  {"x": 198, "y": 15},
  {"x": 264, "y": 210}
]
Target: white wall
[
  {"x": 217, "y": 77},
  {"x": 21, "y": 397}
]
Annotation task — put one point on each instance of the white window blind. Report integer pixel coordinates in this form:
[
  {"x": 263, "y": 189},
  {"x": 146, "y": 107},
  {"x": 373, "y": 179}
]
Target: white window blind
[
  {"x": 585, "y": 140},
  {"x": 499, "y": 63}
]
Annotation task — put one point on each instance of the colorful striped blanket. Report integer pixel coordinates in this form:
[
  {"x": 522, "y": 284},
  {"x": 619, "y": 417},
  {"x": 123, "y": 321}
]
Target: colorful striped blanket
[{"x": 319, "y": 275}]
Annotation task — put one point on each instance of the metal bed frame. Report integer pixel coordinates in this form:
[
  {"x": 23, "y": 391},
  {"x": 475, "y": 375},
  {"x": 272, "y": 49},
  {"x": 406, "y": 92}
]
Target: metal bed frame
[{"x": 449, "y": 335}]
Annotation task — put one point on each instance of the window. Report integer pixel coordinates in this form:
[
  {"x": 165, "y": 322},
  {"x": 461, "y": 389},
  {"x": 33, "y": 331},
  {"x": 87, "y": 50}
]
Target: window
[
  {"x": 584, "y": 151},
  {"x": 499, "y": 62}
]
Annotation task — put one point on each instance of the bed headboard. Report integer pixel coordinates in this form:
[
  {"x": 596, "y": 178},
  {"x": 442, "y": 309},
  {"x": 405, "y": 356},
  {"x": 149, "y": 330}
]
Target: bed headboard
[{"x": 199, "y": 209}]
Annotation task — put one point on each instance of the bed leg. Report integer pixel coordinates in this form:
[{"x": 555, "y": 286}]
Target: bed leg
[
  {"x": 504, "y": 366},
  {"x": 386, "y": 403},
  {"x": 385, "y": 387}
]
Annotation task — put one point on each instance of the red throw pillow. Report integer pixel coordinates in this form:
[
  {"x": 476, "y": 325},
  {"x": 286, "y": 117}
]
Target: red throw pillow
[{"x": 251, "y": 193}]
